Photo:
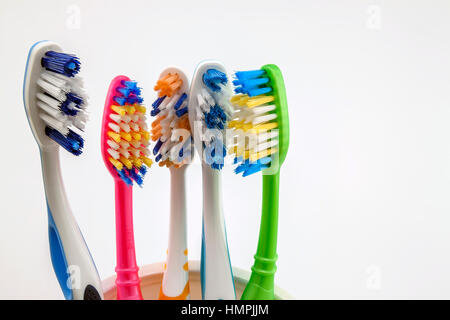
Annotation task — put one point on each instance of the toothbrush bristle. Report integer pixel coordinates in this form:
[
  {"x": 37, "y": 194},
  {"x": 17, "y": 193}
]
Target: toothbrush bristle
[
  {"x": 168, "y": 85},
  {"x": 62, "y": 63},
  {"x": 128, "y": 138},
  {"x": 171, "y": 129},
  {"x": 254, "y": 119},
  {"x": 214, "y": 111},
  {"x": 62, "y": 102}
]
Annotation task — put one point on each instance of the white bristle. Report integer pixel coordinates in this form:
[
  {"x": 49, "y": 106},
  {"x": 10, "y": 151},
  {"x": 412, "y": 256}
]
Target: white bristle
[
  {"x": 114, "y": 127},
  {"x": 266, "y": 145},
  {"x": 52, "y": 90},
  {"x": 124, "y": 152},
  {"x": 125, "y": 127},
  {"x": 124, "y": 144},
  {"x": 134, "y": 126},
  {"x": 136, "y": 143},
  {"x": 115, "y": 117},
  {"x": 112, "y": 144},
  {"x": 57, "y": 82},
  {"x": 262, "y": 109},
  {"x": 51, "y": 111},
  {"x": 135, "y": 152},
  {"x": 126, "y": 118},
  {"x": 264, "y": 118},
  {"x": 55, "y": 104},
  {"x": 114, "y": 153},
  {"x": 61, "y": 126}
]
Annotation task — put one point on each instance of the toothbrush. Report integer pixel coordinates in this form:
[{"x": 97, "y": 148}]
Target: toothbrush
[
  {"x": 172, "y": 133},
  {"x": 124, "y": 143},
  {"x": 209, "y": 111},
  {"x": 261, "y": 141},
  {"x": 55, "y": 105}
]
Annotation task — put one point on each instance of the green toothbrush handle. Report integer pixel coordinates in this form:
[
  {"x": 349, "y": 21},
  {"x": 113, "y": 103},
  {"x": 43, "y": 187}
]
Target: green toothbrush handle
[{"x": 261, "y": 283}]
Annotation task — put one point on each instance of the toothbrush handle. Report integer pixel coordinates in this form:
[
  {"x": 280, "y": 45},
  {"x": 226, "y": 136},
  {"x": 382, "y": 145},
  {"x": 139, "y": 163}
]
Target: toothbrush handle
[
  {"x": 175, "y": 284},
  {"x": 216, "y": 273},
  {"x": 261, "y": 283},
  {"x": 71, "y": 259},
  {"x": 127, "y": 281}
]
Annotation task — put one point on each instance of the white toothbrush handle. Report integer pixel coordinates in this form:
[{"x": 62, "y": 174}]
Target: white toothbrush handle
[
  {"x": 175, "y": 284},
  {"x": 72, "y": 262},
  {"x": 216, "y": 273}
]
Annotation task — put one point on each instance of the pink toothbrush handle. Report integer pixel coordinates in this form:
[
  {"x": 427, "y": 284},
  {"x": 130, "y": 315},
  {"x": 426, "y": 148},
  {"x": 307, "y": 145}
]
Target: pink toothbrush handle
[{"x": 127, "y": 281}]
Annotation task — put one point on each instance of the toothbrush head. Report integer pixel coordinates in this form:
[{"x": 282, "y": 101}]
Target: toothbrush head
[
  {"x": 210, "y": 111},
  {"x": 125, "y": 137},
  {"x": 54, "y": 99},
  {"x": 260, "y": 122},
  {"x": 171, "y": 129}
]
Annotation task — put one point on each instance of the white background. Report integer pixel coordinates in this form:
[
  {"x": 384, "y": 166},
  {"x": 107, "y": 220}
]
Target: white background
[{"x": 365, "y": 189}]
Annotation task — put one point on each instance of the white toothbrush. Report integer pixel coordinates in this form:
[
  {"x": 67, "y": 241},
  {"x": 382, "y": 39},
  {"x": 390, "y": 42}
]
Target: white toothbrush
[
  {"x": 171, "y": 125},
  {"x": 72, "y": 262},
  {"x": 216, "y": 272}
]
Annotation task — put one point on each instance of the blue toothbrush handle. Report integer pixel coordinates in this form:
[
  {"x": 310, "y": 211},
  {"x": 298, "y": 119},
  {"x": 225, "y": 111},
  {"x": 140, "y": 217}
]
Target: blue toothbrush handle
[{"x": 71, "y": 259}]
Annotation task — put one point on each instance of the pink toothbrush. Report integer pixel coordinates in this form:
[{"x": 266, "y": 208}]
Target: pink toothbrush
[{"x": 124, "y": 145}]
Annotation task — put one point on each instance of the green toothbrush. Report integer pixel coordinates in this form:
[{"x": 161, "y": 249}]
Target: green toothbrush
[{"x": 261, "y": 140}]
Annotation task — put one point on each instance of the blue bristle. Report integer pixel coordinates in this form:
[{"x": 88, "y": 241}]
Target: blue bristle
[
  {"x": 129, "y": 84},
  {"x": 215, "y": 118},
  {"x": 158, "y": 157},
  {"x": 62, "y": 63},
  {"x": 74, "y": 98},
  {"x": 243, "y": 75},
  {"x": 154, "y": 112},
  {"x": 213, "y": 77},
  {"x": 157, "y": 147},
  {"x": 136, "y": 177},
  {"x": 241, "y": 168},
  {"x": 180, "y": 101},
  {"x": 253, "y": 168},
  {"x": 181, "y": 112},
  {"x": 265, "y": 160},
  {"x": 258, "y": 91},
  {"x": 73, "y": 142},
  {"x": 143, "y": 170},
  {"x": 134, "y": 99},
  {"x": 124, "y": 91},
  {"x": 124, "y": 176},
  {"x": 158, "y": 102},
  {"x": 249, "y": 168},
  {"x": 120, "y": 100},
  {"x": 64, "y": 107},
  {"x": 252, "y": 83}
]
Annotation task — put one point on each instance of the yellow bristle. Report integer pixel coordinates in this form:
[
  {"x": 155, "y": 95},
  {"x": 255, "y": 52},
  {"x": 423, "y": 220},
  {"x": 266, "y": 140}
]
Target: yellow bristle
[
  {"x": 125, "y": 135},
  {"x": 262, "y": 154},
  {"x": 148, "y": 162},
  {"x": 136, "y": 136},
  {"x": 114, "y": 136},
  {"x": 131, "y": 109},
  {"x": 126, "y": 162},
  {"x": 259, "y": 100},
  {"x": 140, "y": 108},
  {"x": 136, "y": 161},
  {"x": 264, "y": 127},
  {"x": 116, "y": 163},
  {"x": 145, "y": 134},
  {"x": 119, "y": 110}
]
